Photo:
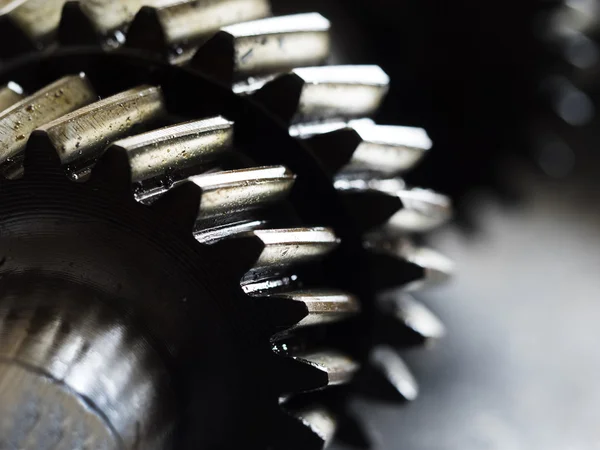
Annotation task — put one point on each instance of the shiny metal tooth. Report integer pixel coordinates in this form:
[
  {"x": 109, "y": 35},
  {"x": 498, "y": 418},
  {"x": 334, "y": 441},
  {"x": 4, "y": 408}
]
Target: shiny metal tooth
[
  {"x": 416, "y": 316},
  {"x": 183, "y": 23},
  {"x": 278, "y": 44},
  {"x": 323, "y": 306},
  {"x": 420, "y": 210},
  {"x": 83, "y": 134},
  {"x": 109, "y": 16},
  {"x": 339, "y": 92},
  {"x": 212, "y": 235},
  {"x": 37, "y": 19},
  {"x": 339, "y": 368},
  {"x": 385, "y": 149},
  {"x": 54, "y": 101},
  {"x": 285, "y": 247},
  {"x": 435, "y": 266},
  {"x": 227, "y": 192},
  {"x": 387, "y": 361},
  {"x": 176, "y": 147},
  {"x": 9, "y": 95},
  {"x": 319, "y": 421}
]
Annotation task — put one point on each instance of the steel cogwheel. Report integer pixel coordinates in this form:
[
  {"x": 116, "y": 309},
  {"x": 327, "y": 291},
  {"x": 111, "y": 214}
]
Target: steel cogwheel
[{"x": 221, "y": 259}]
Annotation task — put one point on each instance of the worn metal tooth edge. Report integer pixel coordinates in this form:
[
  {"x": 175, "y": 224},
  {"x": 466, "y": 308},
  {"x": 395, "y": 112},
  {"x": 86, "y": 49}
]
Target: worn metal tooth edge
[
  {"x": 227, "y": 192},
  {"x": 82, "y": 135},
  {"x": 278, "y": 44},
  {"x": 339, "y": 368},
  {"x": 322, "y": 305},
  {"x": 50, "y": 103},
  {"x": 286, "y": 247},
  {"x": 183, "y": 25},
  {"x": 173, "y": 148}
]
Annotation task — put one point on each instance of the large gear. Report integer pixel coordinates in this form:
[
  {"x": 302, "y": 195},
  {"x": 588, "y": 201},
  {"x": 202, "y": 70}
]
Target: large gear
[{"x": 197, "y": 282}]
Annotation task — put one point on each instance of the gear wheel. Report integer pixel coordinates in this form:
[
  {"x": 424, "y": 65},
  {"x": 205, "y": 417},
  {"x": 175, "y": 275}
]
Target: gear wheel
[{"x": 198, "y": 280}]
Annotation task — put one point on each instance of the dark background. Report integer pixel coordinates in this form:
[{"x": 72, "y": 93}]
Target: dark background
[{"x": 519, "y": 368}]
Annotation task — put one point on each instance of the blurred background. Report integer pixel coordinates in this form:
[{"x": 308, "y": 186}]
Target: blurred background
[{"x": 508, "y": 91}]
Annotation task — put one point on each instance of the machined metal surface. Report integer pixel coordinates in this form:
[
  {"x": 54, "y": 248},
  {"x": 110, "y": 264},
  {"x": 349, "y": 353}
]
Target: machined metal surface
[
  {"x": 109, "y": 16},
  {"x": 385, "y": 149},
  {"x": 289, "y": 273},
  {"x": 170, "y": 149},
  {"x": 278, "y": 44},
  {"x": 9, "y": 95},
  {"x": 50, "y": 103},
  {"x": 83, "y": 134},
  {"x": 71, "y": 369},
  {"x": 340, "y": 91},
  {"x": 285, "y": 247},
  {"x": 184, "y": 24},
  {"x": 228, "y": 192},
  {"x": 339, "y": 368},
  {"x": 38, "y": 19},
  {"x": 323, "y": 306}
]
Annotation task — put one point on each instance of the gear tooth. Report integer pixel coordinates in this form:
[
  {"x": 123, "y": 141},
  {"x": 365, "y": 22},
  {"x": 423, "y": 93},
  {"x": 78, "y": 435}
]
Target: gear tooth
[
  {"x": 10, "y": 94},
  {"x": 81, "y": 136},
  {"x": 40, "y": 156},
  {"x": 161, "y": 29},
  {"x": 281, "y": 96},
  {"x": 17, "y": 122},
  {"x": 416, "y": 210},
  {"x": 92, "y": 22},
  {"x": 383, "y": 149},
  {"x": 340, "y": 92},
  {"x": 180, "y": 205},
  {"x": 232, "y": 192},
  {"x": 75, "y": 27},
  {"x": 320, "y": 306},
  {"x": 308, "y": 428},
  {"x": 267, "y": 46},
  {"x": 289, "y": 247},
  {"x": 146, "y": 32},
  {"x": 175, "y": 148},
  {"x": 335, "y": 149},
  {"x": 421, "y": 325},
  {"x": 216, "y": 58},
  {"x": 335, "y": 368},
  {"x": 393, "y": 257},
  {"x": 28, "y": 25},
  {"x": 113, "y": 171},
  {"x": 387, "y": 363},
  {"x": 238, "y": 254}
]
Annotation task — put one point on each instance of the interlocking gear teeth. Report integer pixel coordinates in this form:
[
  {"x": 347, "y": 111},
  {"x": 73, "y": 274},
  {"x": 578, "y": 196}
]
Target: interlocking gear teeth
[{"x": 196, "y": 188}]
